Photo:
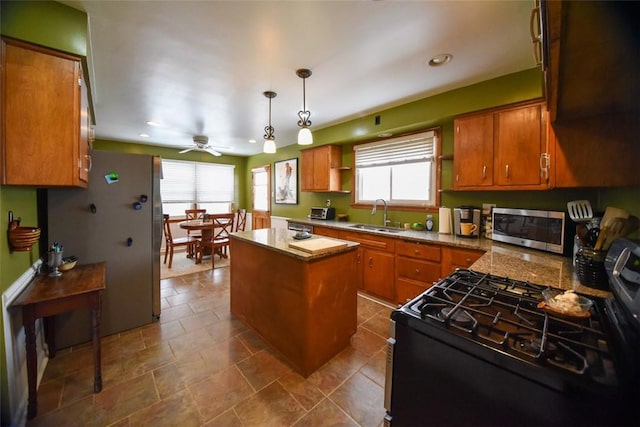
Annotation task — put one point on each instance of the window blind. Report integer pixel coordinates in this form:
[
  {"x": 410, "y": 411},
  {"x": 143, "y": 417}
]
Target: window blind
[
  {"x": 198, "y": 182},
  {"x": 409, "y": 149}
]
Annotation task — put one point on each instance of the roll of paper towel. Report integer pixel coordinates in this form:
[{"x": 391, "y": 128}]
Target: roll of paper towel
[{"x": 444, "y": 220}]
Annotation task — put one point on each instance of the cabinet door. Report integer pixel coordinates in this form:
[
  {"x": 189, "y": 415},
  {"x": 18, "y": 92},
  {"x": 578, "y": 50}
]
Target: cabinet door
[
  {"x": 306, "y": 170},
  {"x": 378, "y": 273},
  {"x": 40, "y": 117},
  {"x": 520, "y": 140},
  {"x": 320, "y": 168},
  {"x": 473, "y": 151}
]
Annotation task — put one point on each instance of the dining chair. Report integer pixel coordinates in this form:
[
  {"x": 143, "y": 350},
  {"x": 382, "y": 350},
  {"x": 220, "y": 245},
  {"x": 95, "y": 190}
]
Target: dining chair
[
  {"x": 218, "y": 239},
  {"x": 241, "y": 220},
  {"x": 170, "y": 243},
  {"x": 192, "y": 214}
]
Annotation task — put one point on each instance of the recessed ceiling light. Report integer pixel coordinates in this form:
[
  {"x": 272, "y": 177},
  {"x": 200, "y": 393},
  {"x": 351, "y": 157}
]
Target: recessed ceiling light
[
  {"x": 252, "y": 141},
  {"x": 144, "y": 135},
  {"x": 385, "y": 134},
  {"x": 441, "y": 59},
  {"x": 152, "y": 123}
]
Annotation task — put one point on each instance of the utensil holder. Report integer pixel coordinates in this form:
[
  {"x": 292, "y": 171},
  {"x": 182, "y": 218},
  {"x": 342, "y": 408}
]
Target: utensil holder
[
  {"x": 54, "y": 261},
  {"x": 590, "y": 268}
]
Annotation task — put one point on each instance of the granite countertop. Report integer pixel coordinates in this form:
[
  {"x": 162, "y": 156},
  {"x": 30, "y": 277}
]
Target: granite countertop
[
  {"x": 500, "y": 259},
  {"x": 278, "y": 239}
]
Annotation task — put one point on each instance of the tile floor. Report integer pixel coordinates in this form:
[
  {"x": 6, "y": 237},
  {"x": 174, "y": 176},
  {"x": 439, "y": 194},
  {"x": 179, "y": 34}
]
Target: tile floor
[{"x": 200, "y": 366}]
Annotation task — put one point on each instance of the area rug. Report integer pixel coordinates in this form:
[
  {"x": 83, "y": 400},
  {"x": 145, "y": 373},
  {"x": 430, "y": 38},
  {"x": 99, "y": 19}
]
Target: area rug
[{"x": 182, "y": 265}]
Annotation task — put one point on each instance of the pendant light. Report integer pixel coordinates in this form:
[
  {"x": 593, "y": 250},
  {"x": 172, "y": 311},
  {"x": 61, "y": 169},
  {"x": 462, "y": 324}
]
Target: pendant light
[
  {"x": 304, "y": 134},
  {"x": 269, "y": 138}
]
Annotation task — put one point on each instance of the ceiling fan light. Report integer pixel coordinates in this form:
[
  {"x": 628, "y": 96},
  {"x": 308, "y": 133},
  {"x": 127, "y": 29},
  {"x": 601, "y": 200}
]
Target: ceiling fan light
[
  {"x": 269, "y": 146},
  {"x": 305, "y": 137}
]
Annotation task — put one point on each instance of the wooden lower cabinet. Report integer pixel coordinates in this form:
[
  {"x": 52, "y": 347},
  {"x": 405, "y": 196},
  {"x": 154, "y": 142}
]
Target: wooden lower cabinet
[
  {"x": 398, "y": 270},
  {"x": 375, "y": 263},
  {"x": 453, "y": 258},
  {"x": 417, "y": 267},
  {"x": 377, "y": 273}
]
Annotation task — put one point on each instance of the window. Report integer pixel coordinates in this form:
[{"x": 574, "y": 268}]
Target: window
[
  {"x": 190, "y": 185},
  {"x": 401, "y": 170}
]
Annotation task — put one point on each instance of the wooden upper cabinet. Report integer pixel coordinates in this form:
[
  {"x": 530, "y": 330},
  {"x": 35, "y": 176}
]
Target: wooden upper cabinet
[
  {"x": 591, "y": 70},
  {"x": 520, "y": 141},
  {"x": 44, "y": 138},
  {"x": 592, "y": 92},
  {"x": 473, "y": 148},
  {"x": 320, "y": 168},
  {"x": 502, "y": 149}
]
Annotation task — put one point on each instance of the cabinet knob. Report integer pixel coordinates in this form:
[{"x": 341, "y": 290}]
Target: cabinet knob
[
  {"x": 370, "y": 262},
  {"x": 417, "y": 271},
  {"x": 416, "y": 251},
  {"x": 468, "y": 261},
  {"x": 484, "y": 172},
  {"x": 506, "y": 171}
]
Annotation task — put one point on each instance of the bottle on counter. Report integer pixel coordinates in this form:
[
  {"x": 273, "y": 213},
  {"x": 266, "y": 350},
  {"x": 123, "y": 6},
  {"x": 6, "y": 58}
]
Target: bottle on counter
[{"x": 429, "y": 223}]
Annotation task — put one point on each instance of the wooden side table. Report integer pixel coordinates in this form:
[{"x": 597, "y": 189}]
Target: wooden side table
[{"x": 48, "y": 296}]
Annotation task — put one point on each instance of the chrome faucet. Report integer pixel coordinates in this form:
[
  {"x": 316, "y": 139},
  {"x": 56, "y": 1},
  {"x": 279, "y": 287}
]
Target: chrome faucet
[{"x": 385, "y": 219}]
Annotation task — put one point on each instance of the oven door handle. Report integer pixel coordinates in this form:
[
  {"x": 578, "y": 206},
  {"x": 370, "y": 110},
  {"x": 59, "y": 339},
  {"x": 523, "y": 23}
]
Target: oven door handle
[{"x": 621, "y": 261}]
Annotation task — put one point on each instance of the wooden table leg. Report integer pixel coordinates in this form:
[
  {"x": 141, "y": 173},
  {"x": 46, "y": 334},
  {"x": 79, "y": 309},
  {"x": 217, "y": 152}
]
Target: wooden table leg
[
  {"x": 29, "y": 323},
  {"x": 96, "y": 314},
  {"x": 49, "y": 323}
]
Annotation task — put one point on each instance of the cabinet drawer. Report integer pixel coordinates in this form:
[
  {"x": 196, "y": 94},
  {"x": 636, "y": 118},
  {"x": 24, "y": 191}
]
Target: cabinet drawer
[
  {"x": 407, "y": 289},
  {"x": 464, "y": 258},
  {"x": 369, "y": 240},
  {"x": 326, "y": 231},
  {"x": 424, "y": 271},
  {"x": 418, "y": 250}
]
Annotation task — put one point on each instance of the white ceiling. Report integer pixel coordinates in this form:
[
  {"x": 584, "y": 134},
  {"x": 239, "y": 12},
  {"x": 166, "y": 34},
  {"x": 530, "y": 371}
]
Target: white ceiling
[{"x": 201, "y": 67}]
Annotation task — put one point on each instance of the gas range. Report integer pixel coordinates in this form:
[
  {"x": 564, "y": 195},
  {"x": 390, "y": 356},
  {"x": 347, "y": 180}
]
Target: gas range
[
  {"x": 502, "y": 314},
  {"x": 476, "y": 349}
]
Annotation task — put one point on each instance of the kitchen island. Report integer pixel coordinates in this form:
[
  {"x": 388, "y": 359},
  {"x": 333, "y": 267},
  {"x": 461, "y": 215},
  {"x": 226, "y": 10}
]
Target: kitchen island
[{"x": 302, "y": 303}]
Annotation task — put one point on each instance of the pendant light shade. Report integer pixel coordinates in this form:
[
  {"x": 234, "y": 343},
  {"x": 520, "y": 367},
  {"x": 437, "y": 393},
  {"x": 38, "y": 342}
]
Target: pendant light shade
[
  {"x": 304, "y": 135},
  {"x": 269, "y": 138}
]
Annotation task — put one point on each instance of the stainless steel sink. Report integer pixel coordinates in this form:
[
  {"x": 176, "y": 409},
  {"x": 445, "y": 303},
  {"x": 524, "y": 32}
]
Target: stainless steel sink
[{"x": 370, "y": 227}]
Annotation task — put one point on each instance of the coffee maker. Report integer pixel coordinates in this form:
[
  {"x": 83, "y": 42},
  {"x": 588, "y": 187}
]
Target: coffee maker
[{"x": 464, "y": 219}]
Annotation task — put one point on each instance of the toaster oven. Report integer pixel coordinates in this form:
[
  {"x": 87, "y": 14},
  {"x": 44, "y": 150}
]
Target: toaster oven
[{"x": 322, "y": 213}]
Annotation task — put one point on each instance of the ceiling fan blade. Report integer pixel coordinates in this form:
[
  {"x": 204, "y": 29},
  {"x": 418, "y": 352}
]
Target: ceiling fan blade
[
  {"x": 212, "y": 151},
  {"x": 187, "y": 150}
]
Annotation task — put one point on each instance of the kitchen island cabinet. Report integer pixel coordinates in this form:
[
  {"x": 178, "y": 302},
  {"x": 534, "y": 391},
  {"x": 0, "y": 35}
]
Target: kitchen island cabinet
[
  {"x": 303, "y": 304},
  {"x": 45, "y": 118}
]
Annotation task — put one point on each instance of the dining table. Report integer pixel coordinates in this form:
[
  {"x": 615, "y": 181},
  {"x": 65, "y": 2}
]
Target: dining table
[{"x": 205, "y": 227}]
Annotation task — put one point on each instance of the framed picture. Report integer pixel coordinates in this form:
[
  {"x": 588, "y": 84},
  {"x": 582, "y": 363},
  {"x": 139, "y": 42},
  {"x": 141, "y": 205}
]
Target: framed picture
[{"x": 286, "y": 181}]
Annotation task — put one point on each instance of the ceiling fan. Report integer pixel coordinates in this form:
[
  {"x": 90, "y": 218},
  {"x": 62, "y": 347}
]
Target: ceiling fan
[{"x": 201, "y": 143}]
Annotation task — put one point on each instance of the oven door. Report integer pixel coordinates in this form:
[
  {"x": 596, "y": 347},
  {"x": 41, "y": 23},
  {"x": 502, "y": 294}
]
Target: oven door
[{"x": 432, "y": 380}]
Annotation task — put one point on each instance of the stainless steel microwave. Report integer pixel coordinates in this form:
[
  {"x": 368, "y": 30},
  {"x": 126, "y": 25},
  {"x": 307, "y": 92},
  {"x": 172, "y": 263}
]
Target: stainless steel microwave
[{"x": 544, "y": 230}]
